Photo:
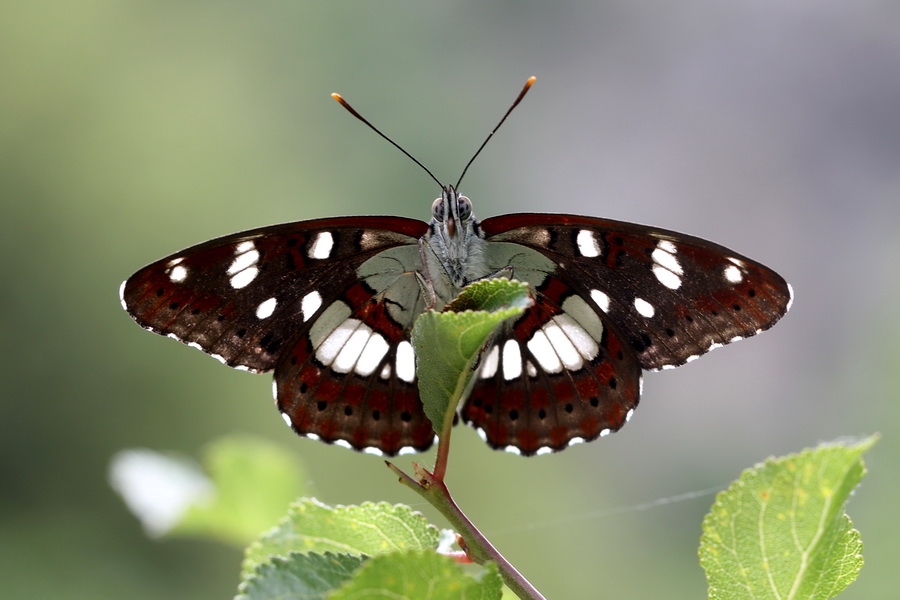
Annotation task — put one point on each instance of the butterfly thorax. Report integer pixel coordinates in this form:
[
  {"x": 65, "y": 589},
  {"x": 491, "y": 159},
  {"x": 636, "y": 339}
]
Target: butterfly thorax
[{"x": 454, "y": 245}]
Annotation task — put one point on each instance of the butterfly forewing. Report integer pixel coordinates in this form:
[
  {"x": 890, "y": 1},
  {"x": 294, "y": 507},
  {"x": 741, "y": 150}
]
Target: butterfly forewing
[
  {"x": 242, "y": 297},
  {"x": 673, "y": 296}
]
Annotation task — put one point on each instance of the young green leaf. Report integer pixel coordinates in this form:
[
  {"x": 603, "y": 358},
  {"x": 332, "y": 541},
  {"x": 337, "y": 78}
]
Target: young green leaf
[
  {"x": 420, "y": 575},
  {"x": 301, "y": 576},
  {"x": 448, "y": 344},
  {"x": 367, "y": 529},
  {"x": 780, "y": 530}
]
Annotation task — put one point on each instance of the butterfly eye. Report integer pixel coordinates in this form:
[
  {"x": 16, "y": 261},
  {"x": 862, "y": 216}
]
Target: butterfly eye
[
  {"x": 465, "y": 208},
  {"x": 437, "y": 209}
]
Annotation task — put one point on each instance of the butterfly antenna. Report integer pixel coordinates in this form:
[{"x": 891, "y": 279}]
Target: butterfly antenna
[
  {"x": 521, "y": 95},
  {"x": 353, "y": 112}
]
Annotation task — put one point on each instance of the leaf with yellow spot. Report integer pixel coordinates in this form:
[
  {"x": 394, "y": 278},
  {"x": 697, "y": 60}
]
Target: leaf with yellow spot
[{"x": 780, "y": 530}]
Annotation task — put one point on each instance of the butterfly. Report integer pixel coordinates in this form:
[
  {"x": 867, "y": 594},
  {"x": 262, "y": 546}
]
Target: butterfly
[{"x": 328, "y": 305}]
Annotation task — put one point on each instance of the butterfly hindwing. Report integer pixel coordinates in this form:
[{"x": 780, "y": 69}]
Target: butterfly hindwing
[
  {"x": 350, "y": 376},
  {"x": 673, "y": 296},
  {"x": 559, "y": 374}
]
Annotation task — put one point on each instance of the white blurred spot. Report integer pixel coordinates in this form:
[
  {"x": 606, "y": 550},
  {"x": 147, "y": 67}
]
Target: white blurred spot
[{"x": 157, "y": 488}]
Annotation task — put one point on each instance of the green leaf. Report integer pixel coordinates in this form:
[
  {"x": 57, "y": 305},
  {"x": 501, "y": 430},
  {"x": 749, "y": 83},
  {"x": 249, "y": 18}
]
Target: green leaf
[
  {"x": 420, "y": 575},
  {"x": 368, "y": 529},
  {"x": 780, "y": 530},
  {"x": 254, "y": 480},
  {"x": 299, "y": 577},
  {"x": 448, "y": 344}
]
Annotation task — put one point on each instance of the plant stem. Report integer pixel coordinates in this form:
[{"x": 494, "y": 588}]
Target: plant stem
[{"x": 479, "y": 549}]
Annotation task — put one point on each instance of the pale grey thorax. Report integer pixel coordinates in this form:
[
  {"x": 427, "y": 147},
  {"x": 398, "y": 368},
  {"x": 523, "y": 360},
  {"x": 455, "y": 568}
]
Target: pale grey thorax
[{"x": 454, "y": 248}]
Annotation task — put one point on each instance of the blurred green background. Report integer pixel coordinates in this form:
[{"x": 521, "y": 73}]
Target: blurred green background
[{"x": 131, "y": 129}]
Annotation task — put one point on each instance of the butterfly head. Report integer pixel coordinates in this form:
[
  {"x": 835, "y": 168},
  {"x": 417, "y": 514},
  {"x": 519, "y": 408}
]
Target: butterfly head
[
  {"x": 452, "y": 215},
  {"x": 455, "y": 238}
]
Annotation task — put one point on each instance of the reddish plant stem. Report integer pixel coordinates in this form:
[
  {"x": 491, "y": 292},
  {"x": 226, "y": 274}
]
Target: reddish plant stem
[{"x": 477, "y": 547}]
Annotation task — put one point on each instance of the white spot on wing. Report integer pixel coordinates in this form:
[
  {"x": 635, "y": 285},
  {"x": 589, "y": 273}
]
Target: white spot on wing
[
  {"x": 243, "y": 260},
  {"x": 543, "y": 450},
  {"x": 310, "y": 304},
  {"x": 587, "y": 243},
  {"x": 244, "y": 247},
  {"x": 177, "y": 274},
  {"x": 331, "y": 346},
  {"x": 350, "y": 352},
  {"x": 243, "y": 268},
  {"x": 667, "y": 269},
  {"x": 373, "y": 451},
  {"x": 385, "y": 371},
  {"x": 667, "y": 277},
  {"x": 666, "y": 259},
  {"x": 790, "y": 300},
  {"x": 372, "y": 354},
  {"x": 667, "y": 246},
  {"x": 644, "y": 308},
  {"x": 543, "y": 352},
  {"x": 243, "y": 278},
  {"x": 322, "y": 245},
  {"x": 563, "y": 346},
  {"x": 287, "y": 419},
  {"x": 512, "y": 360},
  {"x": 601, "y": 299},
  {"x": 343, "y": 444},
  {"x": 733, "y": 274},
  {"x": 491, "y": 361},
  {"x": 584, "y": 342},
  {"x": 265, "y": 309},
  {"x": 406, "y": 362}
]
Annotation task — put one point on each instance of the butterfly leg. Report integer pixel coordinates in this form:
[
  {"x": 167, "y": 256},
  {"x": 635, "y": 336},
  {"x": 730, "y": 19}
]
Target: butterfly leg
[{"x": 426, "y": 281}]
